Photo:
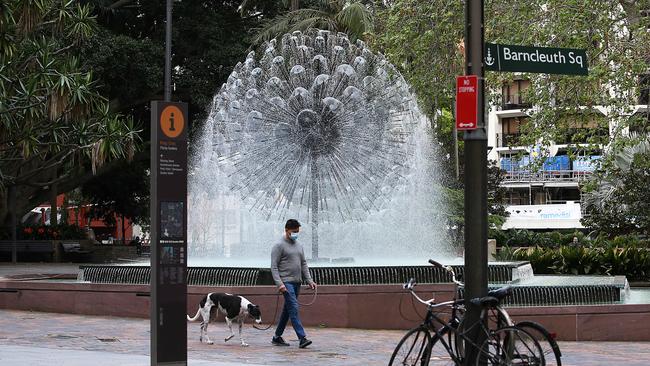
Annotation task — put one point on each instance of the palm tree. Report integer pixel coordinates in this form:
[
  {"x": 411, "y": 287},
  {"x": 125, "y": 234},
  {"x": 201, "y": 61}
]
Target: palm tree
[
  {"x": 616, "y": 200},
  {"x": 622, "y": 163},
  {"x": 353, "y": 17}
]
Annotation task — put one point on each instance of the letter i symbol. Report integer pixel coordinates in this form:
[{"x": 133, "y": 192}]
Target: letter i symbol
[{"x": 171, "y": 122}]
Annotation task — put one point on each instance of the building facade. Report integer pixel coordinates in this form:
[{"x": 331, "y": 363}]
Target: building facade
[{"x": 543, "y": 181}]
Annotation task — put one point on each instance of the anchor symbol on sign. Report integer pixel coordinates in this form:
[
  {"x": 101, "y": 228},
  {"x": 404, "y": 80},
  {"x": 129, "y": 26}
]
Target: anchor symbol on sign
[{"x": 489, "y": 60}]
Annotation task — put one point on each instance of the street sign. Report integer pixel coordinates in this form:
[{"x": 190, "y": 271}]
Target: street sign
[
  {"x": 466, "y": 102},
  {"x": 567, "y": 61},
  {"x": 168, "y": 233}
]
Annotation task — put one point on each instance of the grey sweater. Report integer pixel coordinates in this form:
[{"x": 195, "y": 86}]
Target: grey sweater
[{"x": 288, "y": 263}]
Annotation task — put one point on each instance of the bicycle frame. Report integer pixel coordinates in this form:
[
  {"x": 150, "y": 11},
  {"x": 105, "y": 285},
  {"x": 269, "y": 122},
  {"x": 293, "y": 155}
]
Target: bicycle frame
[
  {"x": 450, "y": 328},
  {"x": 444, "y": 330}
]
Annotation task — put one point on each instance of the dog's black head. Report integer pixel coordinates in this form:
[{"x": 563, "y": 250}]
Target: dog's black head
[{"x": 255, "y": 313}]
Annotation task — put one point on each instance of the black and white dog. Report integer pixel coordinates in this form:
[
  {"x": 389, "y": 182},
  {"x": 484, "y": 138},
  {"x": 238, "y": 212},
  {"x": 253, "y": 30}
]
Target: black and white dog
[{"x": 232, "y": 306}]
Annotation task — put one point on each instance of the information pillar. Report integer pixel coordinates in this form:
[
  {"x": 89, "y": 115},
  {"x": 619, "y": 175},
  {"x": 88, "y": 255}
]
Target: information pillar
[{"x": 168, "y": 233}]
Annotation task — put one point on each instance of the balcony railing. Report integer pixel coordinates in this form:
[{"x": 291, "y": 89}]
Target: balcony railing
[
  {"x": 515, "y": 103},
  {"x": 508, "y": 139},
  {"x": 525, "y": 176}
]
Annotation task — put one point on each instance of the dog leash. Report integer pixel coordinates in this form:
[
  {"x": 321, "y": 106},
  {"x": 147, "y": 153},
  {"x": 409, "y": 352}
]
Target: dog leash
[
  {"x": 275, "y": 314},
  {"x": 277, "y": 304},
  {"x": 313, "y": 300}
]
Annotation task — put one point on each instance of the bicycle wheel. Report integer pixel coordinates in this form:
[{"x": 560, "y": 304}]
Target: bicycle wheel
[
  {"x": 510, "y": 346},
  {"x": 551, "y": 350},
  {"x": 413, "y": 349},
  {"x": 439, "y": 350}
]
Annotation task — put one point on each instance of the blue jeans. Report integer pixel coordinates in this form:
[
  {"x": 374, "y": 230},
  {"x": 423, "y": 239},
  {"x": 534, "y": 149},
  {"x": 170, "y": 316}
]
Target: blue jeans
[{"x": 290, "y": 311}]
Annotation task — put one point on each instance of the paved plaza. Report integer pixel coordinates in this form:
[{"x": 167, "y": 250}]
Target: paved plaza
[
  {"x": 34, "y": 338},
  {"x": 37, "y": 338}
]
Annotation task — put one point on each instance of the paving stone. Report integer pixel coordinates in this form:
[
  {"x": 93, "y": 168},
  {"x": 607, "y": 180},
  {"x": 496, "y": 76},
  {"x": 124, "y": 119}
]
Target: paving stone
[{"x": 88, "y": 337}]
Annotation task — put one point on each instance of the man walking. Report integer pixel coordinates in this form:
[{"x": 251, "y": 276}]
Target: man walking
[{"x": 289, "y": 269}]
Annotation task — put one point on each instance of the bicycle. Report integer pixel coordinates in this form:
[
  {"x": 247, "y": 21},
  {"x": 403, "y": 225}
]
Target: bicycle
[
  {"x": 440, "y": 342},
  {"x": 499, "y": 317}
]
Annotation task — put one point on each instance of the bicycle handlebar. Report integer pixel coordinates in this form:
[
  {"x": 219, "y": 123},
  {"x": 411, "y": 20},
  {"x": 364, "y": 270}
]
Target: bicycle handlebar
[
  {"x": 410, "y": 284},
  {"x": 426, "y": 302},
  {"x": 436, "y": 264},
  {"x": 449, "y": 269}
]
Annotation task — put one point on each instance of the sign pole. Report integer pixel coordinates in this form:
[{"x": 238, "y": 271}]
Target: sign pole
[
  {"x": 168, "y": 233},
  {"x": 168, "y": 52},
  {"x": 475, "y": 141}
]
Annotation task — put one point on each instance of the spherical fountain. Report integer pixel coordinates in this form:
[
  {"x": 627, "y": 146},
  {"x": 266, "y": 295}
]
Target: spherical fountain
[{"x": 325, "y": 131}]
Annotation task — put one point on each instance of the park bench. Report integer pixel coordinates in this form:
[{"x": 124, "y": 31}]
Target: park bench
[
  {"x": 28, "y": 246},
  {"x": 73, "y": 249}
]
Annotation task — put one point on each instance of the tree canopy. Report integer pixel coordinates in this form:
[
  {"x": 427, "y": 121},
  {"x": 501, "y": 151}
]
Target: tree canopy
[
  {"x": 208, "y": 39},
  {"x": 423, "y": 39},
  {"x": 56, "y": 126},
  {"x": 353, "y": 17}
]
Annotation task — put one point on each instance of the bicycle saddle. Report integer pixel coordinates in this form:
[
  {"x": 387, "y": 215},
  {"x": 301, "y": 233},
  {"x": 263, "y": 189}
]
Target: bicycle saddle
[
  {"x": 486, "y": 301},
  {"x": 493, "y": 298},
  {"x": 501, "y": 293}
]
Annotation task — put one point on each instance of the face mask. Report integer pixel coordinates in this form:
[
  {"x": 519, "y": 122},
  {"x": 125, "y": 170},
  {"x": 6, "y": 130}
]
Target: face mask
[{"x": 294, "y": 236}]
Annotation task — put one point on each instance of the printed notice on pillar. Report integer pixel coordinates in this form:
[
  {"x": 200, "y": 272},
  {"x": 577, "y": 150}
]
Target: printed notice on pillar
[
  {"x": 171, "y": 254},
  {"x": 171, "y": 220},
  {"x": 172, "y": 275},
  {"x": 167, "y": 162}
]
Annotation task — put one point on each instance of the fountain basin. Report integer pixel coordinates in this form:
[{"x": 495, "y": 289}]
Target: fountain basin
[
  {"x": 347, "y": 306},
  {"x": 504, "y": 272},
  {"x": 528, "y": 289},
  {"x": 370, "y": 297}
]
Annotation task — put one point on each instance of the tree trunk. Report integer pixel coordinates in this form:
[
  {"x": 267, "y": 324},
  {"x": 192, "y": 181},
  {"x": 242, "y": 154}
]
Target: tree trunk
[
  {"x": 54, "y": 220},
  {"x": 64, "y": 210},
  {"x": 295, "y": 5},
  {"x": 5, "y": 220},
  {"x": 123, "y": 231},
  {"x": 13, "y": 224}
]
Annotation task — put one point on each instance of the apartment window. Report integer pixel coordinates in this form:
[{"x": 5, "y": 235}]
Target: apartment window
[
  {"x": 539, "y": 196},
  {"x": 563, "y": 194},
  {"x": 512, "y": 94},
  {"x": 518, "y": 196},
  {"x": 511, "y": 131}
]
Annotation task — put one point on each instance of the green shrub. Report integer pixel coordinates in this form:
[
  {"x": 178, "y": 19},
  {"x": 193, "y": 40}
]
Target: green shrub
[
  {"x": 527, "y": 238},
  {"x": 626, "y": 256}
]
